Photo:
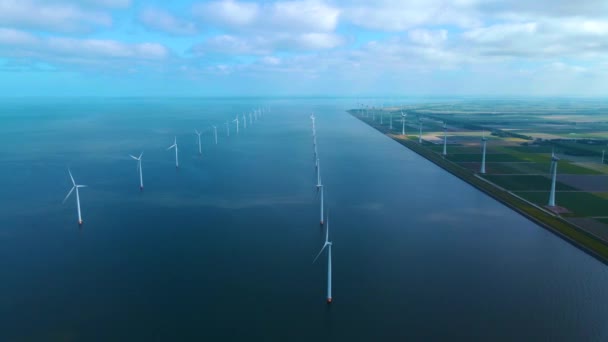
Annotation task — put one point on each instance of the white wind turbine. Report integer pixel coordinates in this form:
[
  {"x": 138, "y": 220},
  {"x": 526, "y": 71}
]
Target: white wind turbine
[
  {"x": 237, "y": 123},
  {"x": 445, "y": 139},
  {"x": 174, "y": 146},
  {"x": 244, "y": 121},
  {"x": 554, "y": 160},
  {"x": 403, "y": 123},
  {"x": 141, "y": 177},
  {"x": 483, "y": 156},
  {"x": 200, "y": 150},
  {"x": 215, "y": 133},
  {"x": 227, "y": 128},
  {"x": 328, "y": 245},
  {"x": 75, "y": 186}
]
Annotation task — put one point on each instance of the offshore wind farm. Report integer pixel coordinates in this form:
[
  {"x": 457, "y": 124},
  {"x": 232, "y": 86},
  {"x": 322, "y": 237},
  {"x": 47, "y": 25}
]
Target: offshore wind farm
[{"x": 228, "y": 240}]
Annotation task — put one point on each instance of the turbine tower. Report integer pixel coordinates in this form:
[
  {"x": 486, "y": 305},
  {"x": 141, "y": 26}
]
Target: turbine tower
[
  {"x": 75, "y": 186},
  {"x": 215, "y": 133},
  {"x": 244, "y": 121},
  {"x": 328, "y": 245},
  {"x": 141, "y": 178},
  {"x": 420, "y": 130},
  {"x": 483, "y": 155},
  {"x": 403, "y": 123},
  {"x": 174, "y": 146},
  {"x": 445, "y": 139},
  {"x": 200, "y": 150},
  {"x": 554, "y": 160},
  {"x": 237, "y": 123},
  {"x": 321, "y": 187},
  {"x": 318, "y": 175},
  {"x": 227, "y": 128}
]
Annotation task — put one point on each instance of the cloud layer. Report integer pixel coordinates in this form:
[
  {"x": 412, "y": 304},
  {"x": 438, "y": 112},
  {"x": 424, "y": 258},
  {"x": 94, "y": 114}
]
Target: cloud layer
[{"x": 357, "y": 45}]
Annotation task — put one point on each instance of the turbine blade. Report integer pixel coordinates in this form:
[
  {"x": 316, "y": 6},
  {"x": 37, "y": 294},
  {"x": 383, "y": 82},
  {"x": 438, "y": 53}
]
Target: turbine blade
[
  {"x": 73, "y": 181},
  {"x": 321, "y": 251},
  {"x": 141, "y": 155},
  {"x": 82, "y": 186},
  {"x": 134, "y": 157},
  {"x": 172, "y": 146},
  {"x": 68, "y": 195}
]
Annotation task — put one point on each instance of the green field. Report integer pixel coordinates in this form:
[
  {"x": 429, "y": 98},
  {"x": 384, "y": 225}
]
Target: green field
[
  {"x": 579, "y": 203},
  {"x": 525, "y": 182},
  {"x": 490, "y": 157}
]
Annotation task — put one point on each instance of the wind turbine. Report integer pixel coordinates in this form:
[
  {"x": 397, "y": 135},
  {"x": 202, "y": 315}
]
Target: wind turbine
[
  {"x": 237, "y": 123},
  {"x": 172, "y": 146},
  {"x": 244, "y": 121},
  {"x": 483, "y": 156},
  {"x": 554, "y": 160},
  {"x": 328, "y": 245},
  {"x": 403, "y": 123},
  {"x": 227, "y": 128},
  {"x": 141, "y": 178},
  {"x": 250, "y": 119},
  {"x": 200, "y": 151},
  {"x": 75, "y": 186},
  {"x": 382, "y": 117},
  {"x": 215, "y": 133},
  {"x": 445, "y": 139}
]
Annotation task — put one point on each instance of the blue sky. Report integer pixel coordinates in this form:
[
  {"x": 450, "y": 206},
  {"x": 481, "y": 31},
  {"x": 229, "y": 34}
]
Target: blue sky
[{"x": 303, "y": 47}]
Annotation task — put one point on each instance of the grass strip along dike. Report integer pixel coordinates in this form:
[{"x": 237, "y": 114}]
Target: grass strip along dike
[{"x": 571, "y": 233}]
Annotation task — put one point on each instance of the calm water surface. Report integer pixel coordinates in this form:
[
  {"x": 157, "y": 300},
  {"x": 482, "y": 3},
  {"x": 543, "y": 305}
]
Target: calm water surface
[{"x": 222, "y": 248}]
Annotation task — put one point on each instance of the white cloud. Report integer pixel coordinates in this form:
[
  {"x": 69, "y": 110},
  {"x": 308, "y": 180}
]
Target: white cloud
[
  {"x": 16, "y": 37},
  {"x": 267, "y": 43},
  {"x": 228, "y": 13},
  {"x": 544, "y": 38},
  {"x": 428, "y": 37},
  {"x": 398, "y": 15},
  {"x": 500, "y": 32},
  {"x": 291, "y": 16},
  {"x": 99, "y": 54},
  {"x": 51, "y": 16},
  {"x": 160, "y": 20},
  {"x": 263, "y": 28}
]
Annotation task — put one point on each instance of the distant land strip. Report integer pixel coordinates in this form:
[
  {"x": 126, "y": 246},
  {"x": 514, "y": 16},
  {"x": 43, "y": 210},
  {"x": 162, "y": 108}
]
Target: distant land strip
[{"x": 577, "y": 236}]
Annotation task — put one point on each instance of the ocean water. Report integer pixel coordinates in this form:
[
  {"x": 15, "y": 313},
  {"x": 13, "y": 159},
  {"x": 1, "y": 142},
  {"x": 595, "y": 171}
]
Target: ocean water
[{"x": 222, "y": 248}]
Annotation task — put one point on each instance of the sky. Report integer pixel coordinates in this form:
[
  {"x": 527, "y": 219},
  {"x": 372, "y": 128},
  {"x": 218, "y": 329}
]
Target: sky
[{"x": 304, "y": 48}]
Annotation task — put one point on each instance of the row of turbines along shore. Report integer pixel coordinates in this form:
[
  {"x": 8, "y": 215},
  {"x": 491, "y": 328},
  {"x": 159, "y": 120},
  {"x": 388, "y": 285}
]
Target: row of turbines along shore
[
  {"x": 252, "y": 117},
  {"x": 321, "y": 190},
  {"x": 482, "y": 169}
]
